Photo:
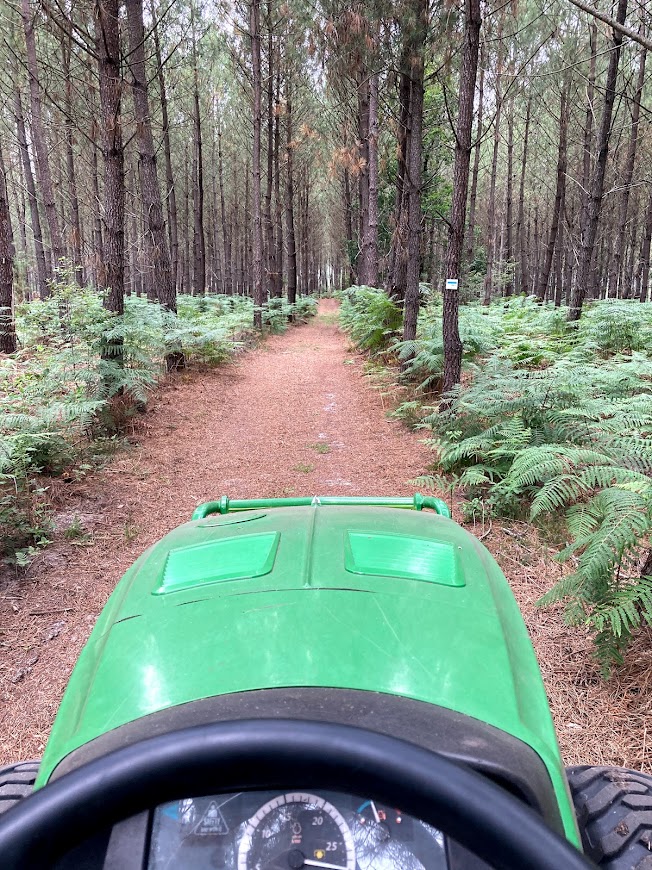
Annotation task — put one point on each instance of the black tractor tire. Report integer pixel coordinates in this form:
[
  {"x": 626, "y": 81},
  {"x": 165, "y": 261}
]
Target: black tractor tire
[
  {"x": 16, "y": 782},
  {"x": 614, "y": 813}
]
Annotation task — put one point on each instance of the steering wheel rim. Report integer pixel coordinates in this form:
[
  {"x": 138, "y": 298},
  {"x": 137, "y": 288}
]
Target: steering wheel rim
[{"x": 275, "y": 753}]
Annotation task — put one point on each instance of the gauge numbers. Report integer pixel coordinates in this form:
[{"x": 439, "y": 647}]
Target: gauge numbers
[{"x": 297, "y": 830}]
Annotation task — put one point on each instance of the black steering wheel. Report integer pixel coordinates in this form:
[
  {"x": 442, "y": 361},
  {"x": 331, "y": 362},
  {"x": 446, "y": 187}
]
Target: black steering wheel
[{"x": 277, "y": 753}]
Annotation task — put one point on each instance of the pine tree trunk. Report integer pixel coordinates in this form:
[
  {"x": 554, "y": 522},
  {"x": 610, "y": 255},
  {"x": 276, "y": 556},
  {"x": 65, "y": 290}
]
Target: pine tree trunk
[
  {"x": 414, "y": 172},
  {"x": 587, "y": 153},
  {"x": 278, "y": 217},
  {"x": 645, "y": 252},
  {"x": 304, "y": 199},
  {"x": 43, "y": 270},
  {"x": 226, "y": 239},
  {"x": 524, "y": 270},
  {"x": 170, "y": 195},
  {"x": 259, "y": 298},
  {"x": 628, "y": 287},
  {"x": 559, "y": 196},
  {"x": 186, "y": 220},
  {"x": 7, "y": 326},
  {"x": 270, "y": 249},
  {"x": 398, "y": 253},
  {"x": 473, "y": 196},
  {"x": 348, "y": 225},
  {"x": 75, "y": 223},
  {"x": 157, "y": 255},
  {"x": 509, "y": 204},
  {"x": 289, "y": 201},
  {"x": 491, "y": 208},
  {"x": 98, "y": 242},
  {"x": 247, "y": 270},
  {"x": 591, "y": 215},
  {"x": 133, "y": 271},
  {"x": 370, "y": 242},
  {"x": 615, "y": 273},
  {"x": 38, "y": 135},
  {"x": 107, "y": 49},
  {"x": 466, "y": 90},
  {"x": 24, "y": 275},
  {"x": 199, "y": 237},
  {"x": 363, "y": 175},
  {"x": 559, "y": 270}
]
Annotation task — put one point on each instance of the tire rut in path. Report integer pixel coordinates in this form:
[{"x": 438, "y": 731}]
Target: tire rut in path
[{"x": 296, "y": 416}]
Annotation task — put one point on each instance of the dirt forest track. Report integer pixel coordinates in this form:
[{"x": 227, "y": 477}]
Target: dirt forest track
[{"x": 296, "y": 416}]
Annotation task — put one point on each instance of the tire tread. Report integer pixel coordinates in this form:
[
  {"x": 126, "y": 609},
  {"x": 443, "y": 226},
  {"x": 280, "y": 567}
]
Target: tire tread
[
  {"x": 614, "y": 812},
  {"x": 16, "y": 782}
]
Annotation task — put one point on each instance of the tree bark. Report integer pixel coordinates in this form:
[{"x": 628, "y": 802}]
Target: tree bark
[
  {"x": 157, "y": 255},
  {"x": 468, "y": 72},
  {"x": 398, "y": 253},
  {"x": 75, "y": 223},
  {"x": 254, "y": 26},
  {"x": 7, "y": 326},
  {"x": 107, "y": 47},
  {"x": 559, "y": 270},
  {"x": 615, "y": 273},
  {"x": 24, "y": 273},
  {"x": 629, "y": 260},
  {"x": 363, "y": 175},
  {"x": 587, "y": 153},
  {"x": 289, "y": 200},
  {"x": 43, "y": 270},
  {"x": 473, "y": 196},
  {"x": 491, "y": 208},
  {"x": 591, "y": 215},
  {"x": 509, "y": 206},
  {"x": 226, "y": 238},
  {"x": 370, "y": 241},
  {"x": 278, "y": 217},
  {"x": 348, "y": 225},
  {"x": 414, "y": 171},
  {"x": 524, "y": 271},
  {"x": 559, "y": 196},
  {"x": 199, "y": 237},
  {"x": 98, "y": 236},
  {"x": 38, "y": 135},
  {"x": 170, "y": 196},
  {"x": 189, "y": 176},
  {"x": 645, "y": 252},
  {"x": 270, "y": 249}
]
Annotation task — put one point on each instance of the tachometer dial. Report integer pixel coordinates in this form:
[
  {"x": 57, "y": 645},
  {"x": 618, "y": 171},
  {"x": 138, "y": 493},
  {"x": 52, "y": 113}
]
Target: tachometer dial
[{"x": 297, "y": 830}]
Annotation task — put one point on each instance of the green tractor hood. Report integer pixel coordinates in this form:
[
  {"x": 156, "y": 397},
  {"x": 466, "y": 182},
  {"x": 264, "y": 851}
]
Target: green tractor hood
[{"x": 371, "y": 598}]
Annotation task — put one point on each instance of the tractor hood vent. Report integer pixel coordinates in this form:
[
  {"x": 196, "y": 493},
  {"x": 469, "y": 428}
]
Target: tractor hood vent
[
  {"x": 233, "y": 558},
  {"x": 409, "y": 558}
]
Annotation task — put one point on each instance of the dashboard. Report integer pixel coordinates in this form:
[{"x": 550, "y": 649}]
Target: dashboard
[{"x": 268, "y": 830}]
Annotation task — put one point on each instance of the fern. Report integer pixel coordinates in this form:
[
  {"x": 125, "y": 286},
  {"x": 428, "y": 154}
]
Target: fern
[
  {"x": 56, "y": 393},
  {"x": 371, "y": 317}
]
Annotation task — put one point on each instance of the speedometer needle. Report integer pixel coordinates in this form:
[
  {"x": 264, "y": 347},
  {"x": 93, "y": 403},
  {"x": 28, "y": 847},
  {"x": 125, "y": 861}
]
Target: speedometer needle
[{"x": 308, "y": 862}]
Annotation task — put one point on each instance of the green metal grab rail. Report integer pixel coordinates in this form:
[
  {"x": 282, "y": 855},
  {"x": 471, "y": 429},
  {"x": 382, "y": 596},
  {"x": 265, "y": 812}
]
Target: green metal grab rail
[{"x": 227, "y": 505}]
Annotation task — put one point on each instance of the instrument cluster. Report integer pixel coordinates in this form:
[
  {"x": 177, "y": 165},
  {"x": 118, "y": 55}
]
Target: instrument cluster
[{"x": 290, "y": 831}]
